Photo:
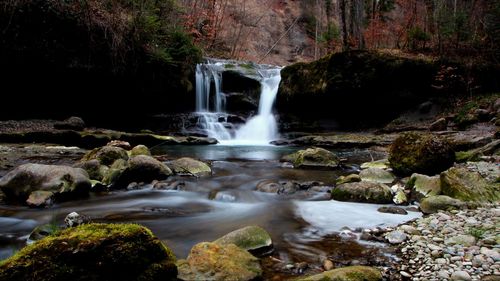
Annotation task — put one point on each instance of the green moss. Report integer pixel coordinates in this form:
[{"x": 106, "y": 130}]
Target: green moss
[
  {"x": 93, "y": 252},
  {"x": 460, "y": 183},
  {"x": 420, "y": 153}
]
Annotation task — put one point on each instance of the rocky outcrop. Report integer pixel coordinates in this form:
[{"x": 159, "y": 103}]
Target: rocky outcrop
[
  {"x": 62, "y": 181},
  {"x": 420, "y": 153},
  {"x": 93, "y": 252},
  {"x": 351, "y": 78},
  {"x": 364, "y": 192},
  {"x": 350, "y": 273},
  {"x": 313, "y": 158},
  {"x": 211, "y": 261}
]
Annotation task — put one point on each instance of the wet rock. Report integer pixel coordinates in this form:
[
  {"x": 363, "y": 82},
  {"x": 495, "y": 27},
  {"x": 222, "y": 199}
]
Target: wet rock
[
  {"x": 365, "y": 192},
  {"x": 140, "y": 150},
  {"x": 121, "y": 144},
  {"x": 106, "y": 155},
  {"x": 74, "y": 219},
  {"x": 318, "y": 158},
  {"x": 63, "y": 181},
  {"x": 328, "y": 265},
  {"x": 40, "y": 198},
  {"x": 350, "y": 273},
  {"x": 190, "y": 167},
  {"x": 72, "y": 123},
  {"x": 380, "y": 164},
  {"x": 460, "y": 183},
  {"x": 251, "y": 238},
  {"x": 114, "y": 172},
  {"x": 393, "y": 210},
  {"x": 211, "y": 261},
  {"x": 268, "y": 186},
  {"x": 348, "y": 178},
  {"x": 396, "y": 237},
  {"x": 420, "y": 153},
  {"x": 433, "y": 204},
  {"x": 439, "y": 125},
  {"x": 41, "y": 232},
  {"x": 95, "y": 170},
  {"x": 424, "y": 186},
  {"x": 93, "y": 252},
  {"x": 142, "y": 168}
]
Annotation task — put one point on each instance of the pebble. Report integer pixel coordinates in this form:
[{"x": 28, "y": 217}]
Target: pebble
[{"x": 444, "y": 246}]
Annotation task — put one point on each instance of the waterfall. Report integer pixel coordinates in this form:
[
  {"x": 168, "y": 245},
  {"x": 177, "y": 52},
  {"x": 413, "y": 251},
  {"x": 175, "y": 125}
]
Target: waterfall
[{"x": 260, "y": 129}]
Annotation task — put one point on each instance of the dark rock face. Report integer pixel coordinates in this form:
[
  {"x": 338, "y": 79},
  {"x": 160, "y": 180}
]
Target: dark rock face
[
  {"x": 72, "y": 123},
  {"x": 378, "y": 86},
  {"x": 93, "y": 252}
]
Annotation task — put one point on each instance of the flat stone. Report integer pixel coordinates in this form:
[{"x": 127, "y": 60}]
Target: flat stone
[{"x": 460, "y": 276}]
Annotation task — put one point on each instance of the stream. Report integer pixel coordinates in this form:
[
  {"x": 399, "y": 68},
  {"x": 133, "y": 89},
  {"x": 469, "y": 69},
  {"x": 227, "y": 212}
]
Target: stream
[{"x": 305, "y": 226}]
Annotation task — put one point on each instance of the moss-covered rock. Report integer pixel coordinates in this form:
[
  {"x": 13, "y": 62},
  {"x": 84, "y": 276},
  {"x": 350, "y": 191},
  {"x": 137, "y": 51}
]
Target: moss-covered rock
[
  {"x": 251, "y": 238},
  {"x": 376, "y": 175},
  {"x": 140, "y": 150},
  {"x": 433, "y": 204},
  {"x": 211, "y": 261},
  {"x": 424, "y": 186},
  {"x": 379, "y": 86},
  {"x": 191, "y": 167},
  {"x": 347, "y": 179},
  {"x": 95, "y": 170},
  {"x": 114, "y": 172},
  {"x": 364, "y": 192},
  {"x": 63, "y": 181},
  {"x": 93, "y": 252},
  {"x": 460, "y": 183},
  {"x": 350, "y": 273},
  {"x": 420, "y": 153},
  {"x": 315, "y": 157},
  {"x": 106, "y": 155}
]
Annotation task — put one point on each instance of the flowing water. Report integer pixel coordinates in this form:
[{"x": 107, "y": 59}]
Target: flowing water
[
  {"x": 304, "y": 226},
  {"x": 260, "y": 129}
]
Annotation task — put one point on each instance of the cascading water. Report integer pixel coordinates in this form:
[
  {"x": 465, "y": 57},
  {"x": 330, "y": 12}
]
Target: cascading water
[{"x": 258, "y": 130}]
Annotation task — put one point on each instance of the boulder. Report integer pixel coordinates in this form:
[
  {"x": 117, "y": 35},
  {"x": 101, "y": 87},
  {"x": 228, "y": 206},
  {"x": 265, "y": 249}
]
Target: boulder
[
  {"x": 376, "y": 175},
  {"x": 140, "y": 150},
  {"x": 106, "y": 155},
  {"x": 364, "y": 192},
  {"x": 118, "y": 143},
  {"x": 251, "y": 238},
  {"x": 458, "y": 182},
  {"x": 420, "y": 153},
  {"x": 350, "y": 273},
  {"x": 381, "y": 164},
  {"x": 72, "y": 123},
  {"x": 211, "y": 261},
  {"x": 114, "y": 172},
  {"x": 93, "y": 252},
  {"x": 347, "y": 179},
  {"x": 433, "y": 204},
  {"x": 191, "y": 167},
  {"x": 63, "y": 181},
  {"x": 315, "y": 157},
  {"x": 140, "y": 168}
]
